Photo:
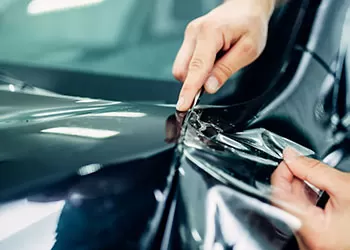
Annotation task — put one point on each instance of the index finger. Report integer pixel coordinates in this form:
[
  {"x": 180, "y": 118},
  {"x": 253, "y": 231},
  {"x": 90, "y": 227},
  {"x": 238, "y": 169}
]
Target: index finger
[{"x": 199, "y": 69}]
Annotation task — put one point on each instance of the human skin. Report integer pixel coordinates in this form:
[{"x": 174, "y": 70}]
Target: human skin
[
  {"x": 237, "y": 29},
  {"x": 322, "y": 228}
]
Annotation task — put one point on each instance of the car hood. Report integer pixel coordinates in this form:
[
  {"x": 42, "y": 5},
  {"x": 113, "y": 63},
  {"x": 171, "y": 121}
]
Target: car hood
[
  {"x": 92, "y": 174},
  {"x": 47, "y": 138}
]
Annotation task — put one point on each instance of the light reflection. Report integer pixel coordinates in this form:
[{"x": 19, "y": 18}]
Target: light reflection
[
  {"x": 64, "y": 112},
  {"x": 83, "y": 132},
  {"x": 89, "y": 169},
  {"x": 75, "y": 198},
  {"x": 166, "y": 105},
  {"x": 223, "y": 218},
  {"x": 21, "y": 215},
  {"x": 36, "y": 7},
  {"x": 159, "y": 195},
  {"x": 87, "y": 100},
  {"x": 196, "y": 235},
  {"x": 218, "y": 246},
  {"x": 182, "y": 171},
  {"x": 12, "y": 87},
  {"x": 99, "y": 102},
  {"x": 120, "y": 114}
]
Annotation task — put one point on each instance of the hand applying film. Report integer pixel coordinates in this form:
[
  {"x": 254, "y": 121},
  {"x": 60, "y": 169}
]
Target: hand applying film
[
  {"x": 237, "y": 29},
  {"x": 324, "y": 227}
]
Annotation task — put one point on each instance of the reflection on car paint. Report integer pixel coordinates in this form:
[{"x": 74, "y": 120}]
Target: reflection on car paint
[
  {"x": 213, "y": 193},
  {"x": 239, "y": 221},
  {"x": 224, "y": 189}
]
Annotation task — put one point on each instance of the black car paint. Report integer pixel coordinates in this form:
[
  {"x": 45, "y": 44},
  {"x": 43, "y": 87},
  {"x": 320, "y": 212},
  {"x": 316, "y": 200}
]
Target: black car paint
[
  {"x": 118, "y": 204},
  {"x": 48, "y": 156}
]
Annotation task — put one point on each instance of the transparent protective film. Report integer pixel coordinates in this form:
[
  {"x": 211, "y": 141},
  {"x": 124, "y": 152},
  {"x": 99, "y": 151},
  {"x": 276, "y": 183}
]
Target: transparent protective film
[{"x": 229, "y": 194}]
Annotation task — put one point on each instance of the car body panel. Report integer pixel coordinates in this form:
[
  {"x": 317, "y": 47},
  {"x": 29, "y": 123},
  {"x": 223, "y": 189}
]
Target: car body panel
[
  {"x": 50, "y": 137},
  {"x": 81, "y": 173},
  {"x": 124, "y": 196}
]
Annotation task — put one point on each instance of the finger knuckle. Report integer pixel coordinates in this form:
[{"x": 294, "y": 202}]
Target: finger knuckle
[
  {"x": 191, "y": 27},
  {"x": 250, "y": 48},
  {"x": 208, "y": 26},
  {"x": 254, "y": 20},
  {"x": 224, "y": 70},
  {"x": 196, "y": 64}
]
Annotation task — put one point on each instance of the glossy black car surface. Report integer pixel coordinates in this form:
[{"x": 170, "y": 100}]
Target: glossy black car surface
[{"x": 93, "y": 155}]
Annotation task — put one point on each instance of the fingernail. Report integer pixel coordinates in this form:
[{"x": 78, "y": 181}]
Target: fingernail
[
  {"x": 290, "y": 154},
  {"x": 180, "y": 103},
  {"x": 212, "y": 84}
]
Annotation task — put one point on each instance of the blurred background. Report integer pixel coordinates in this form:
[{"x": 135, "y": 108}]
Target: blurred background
[
  {"x": 125, "y": 37},
  {"x": 131, "y": 38}
]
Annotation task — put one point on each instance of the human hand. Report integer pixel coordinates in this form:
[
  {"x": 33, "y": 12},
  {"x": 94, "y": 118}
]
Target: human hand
[
  {"x": 238, "y": 29},
  {"x": 327, "y": 228}
]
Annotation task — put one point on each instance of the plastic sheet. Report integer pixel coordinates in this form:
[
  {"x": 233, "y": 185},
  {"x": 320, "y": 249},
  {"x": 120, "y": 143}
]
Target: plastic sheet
[
  {"x": 224, "y": 196},
  {"x": 212, "y": 191}
]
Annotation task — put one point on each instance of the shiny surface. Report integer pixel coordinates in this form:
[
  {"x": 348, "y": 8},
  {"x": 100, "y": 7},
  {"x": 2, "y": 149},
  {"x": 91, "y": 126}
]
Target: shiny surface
[
  {"x": 48, "y": 138},
  {"x": 78, "y": 173},
  {"x": 133, "y": 38},
  {"x": 81, "y": 167},
  {"x": 95, "y": 174},
  {"x": 224, "y": 190},
  {"x": 97, "y": 58},
  {"x": 90, "y": 164}
]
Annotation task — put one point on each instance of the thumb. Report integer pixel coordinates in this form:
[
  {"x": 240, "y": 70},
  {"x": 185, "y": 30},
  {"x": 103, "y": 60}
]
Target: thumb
[
  {"x": 315, "y": 172},
  {"x": 244, "y": 52}
]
